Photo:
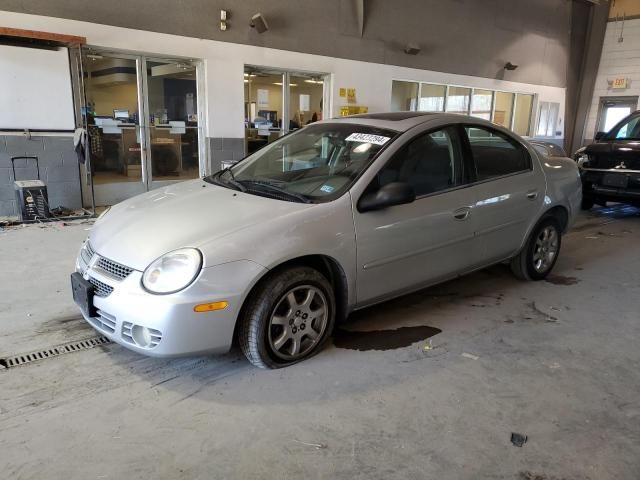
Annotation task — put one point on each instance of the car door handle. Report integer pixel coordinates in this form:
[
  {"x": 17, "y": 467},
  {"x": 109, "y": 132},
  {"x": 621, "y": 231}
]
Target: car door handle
[
  {"x": 462, "y": 213},
  {"x": 532, "y": 195}
]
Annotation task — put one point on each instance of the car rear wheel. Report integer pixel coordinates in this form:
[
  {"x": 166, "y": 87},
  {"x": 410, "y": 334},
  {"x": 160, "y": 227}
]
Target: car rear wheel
[
  {"x": 287, "y": 318},
  {"x": 536, "y": 260}
]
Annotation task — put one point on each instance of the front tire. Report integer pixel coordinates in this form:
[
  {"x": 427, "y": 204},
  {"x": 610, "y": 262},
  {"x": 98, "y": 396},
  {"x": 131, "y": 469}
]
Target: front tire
[
  {"x": 288, "y": 318},
  {"x": 536, "y": 260}
]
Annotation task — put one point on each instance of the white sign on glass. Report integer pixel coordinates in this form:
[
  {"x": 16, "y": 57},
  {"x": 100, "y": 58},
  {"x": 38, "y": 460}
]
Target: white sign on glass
[
  {"x": 305, "y": 102},
  {"x": 263, "y": 98}
]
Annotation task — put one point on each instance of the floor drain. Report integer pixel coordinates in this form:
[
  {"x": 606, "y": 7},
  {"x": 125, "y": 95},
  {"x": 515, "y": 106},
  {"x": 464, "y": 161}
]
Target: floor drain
[{"x": 24, "y": 358}]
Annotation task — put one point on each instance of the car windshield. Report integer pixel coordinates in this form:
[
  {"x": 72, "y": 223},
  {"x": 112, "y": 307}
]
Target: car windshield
[
  {"x": 318, "y": 162},
  {"x": 628, "y": 129}
]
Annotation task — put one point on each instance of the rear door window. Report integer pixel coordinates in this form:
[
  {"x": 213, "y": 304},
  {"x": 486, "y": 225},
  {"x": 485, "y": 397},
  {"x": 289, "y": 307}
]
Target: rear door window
[{"x": 495, "y": 154}]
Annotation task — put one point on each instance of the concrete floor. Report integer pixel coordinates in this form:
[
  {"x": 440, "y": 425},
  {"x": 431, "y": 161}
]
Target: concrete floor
[{"x": 557, "y": 361}]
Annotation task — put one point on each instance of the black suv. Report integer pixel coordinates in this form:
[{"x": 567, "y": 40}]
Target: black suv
[{"x": 610, "y": 166}]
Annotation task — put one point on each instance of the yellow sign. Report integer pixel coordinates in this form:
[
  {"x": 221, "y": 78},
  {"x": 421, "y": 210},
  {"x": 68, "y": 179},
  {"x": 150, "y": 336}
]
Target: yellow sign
[
  {"x": 347, "y": 110},
  {"x": 343, "y": 92},
  {"x": 619, "y": 83},
  {"x": 351, "y": 95}
]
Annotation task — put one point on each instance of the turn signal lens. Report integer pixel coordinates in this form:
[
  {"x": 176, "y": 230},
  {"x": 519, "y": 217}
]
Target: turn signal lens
[{"x": 211, "y": 307}]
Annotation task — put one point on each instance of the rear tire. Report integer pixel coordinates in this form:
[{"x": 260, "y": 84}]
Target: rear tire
[
  {"x": 288, "y": 318},
  {"x": 539, "y": 255}
]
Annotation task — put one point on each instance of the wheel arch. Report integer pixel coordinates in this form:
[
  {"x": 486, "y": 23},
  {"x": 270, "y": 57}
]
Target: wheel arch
[
  {"x": 561, "y": 213},
  {"x": 326, "y": 265}
]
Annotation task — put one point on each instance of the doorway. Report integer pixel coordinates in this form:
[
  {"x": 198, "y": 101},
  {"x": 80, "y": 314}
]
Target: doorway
[
  {"x": 143, "y": 120},
  {"x": 614, "y": 109},
  {"x": 280, "y": 101}
]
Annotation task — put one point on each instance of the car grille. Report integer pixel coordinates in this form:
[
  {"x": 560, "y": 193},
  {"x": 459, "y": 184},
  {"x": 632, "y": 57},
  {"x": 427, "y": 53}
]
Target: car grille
[
  {"x": 127, "y": 335},
  {"x": 607, "y": 162},
  {"x": 104, "y": 321},
  {"x": 114, "y": 269},
  {"x": 101, "y": 288},
  {"x": 87, "y": 253}
]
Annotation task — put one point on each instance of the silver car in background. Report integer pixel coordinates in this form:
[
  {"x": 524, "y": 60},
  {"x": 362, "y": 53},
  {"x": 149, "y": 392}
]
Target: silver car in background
[{"x": 340, "y": 215}]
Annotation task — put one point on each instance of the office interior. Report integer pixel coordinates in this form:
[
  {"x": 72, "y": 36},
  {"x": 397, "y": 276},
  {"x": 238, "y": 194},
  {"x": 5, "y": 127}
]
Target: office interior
[
  {"x": 115, "y": 96},
  {"x": 277, "y": 102}
]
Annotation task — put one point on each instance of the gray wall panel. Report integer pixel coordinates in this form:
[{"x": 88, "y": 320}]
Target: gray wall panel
[
  {"x": 63, "y": 183},
  {"x": 471, "y": 37}
]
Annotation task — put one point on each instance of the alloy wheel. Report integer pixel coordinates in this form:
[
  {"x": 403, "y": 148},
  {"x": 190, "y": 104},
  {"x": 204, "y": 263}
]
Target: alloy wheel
[
  {"x": 545, "y": 249},
  {"x": 298, "y": 322}
]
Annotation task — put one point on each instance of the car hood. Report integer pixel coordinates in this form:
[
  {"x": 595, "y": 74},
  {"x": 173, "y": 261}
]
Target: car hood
[{"x": 189, "y": 214}]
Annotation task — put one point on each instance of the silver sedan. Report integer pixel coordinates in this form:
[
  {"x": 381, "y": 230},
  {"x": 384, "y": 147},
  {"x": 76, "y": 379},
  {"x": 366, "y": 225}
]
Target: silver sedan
[{"x": 337, "y": 216}]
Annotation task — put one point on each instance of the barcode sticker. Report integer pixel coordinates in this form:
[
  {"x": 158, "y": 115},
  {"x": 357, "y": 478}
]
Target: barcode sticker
[{"x": 367, "y": 138}]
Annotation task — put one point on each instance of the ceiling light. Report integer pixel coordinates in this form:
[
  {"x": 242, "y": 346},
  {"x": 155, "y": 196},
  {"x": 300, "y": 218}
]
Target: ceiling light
[
  {"x": 318, "y": 82},
  {"x": 280, "y": 84}
]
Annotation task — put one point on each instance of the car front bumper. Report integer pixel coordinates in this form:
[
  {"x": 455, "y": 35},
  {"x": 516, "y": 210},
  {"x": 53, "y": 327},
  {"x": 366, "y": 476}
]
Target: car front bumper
[
  {"x": 175, "y": 329},
  {"x": 611, "y": 184}
]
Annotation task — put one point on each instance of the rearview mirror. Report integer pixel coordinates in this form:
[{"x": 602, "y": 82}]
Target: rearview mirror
[
  {"x": 600, "y": 135},
  {"x": 396, "y": 193}
]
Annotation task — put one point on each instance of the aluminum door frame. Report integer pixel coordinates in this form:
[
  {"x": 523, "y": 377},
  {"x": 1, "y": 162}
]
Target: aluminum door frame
[{"x": 618, "y": 100}]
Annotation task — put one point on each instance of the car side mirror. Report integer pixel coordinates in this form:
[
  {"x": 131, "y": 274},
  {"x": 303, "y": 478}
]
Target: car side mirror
[
  {"x": 396, "y": 193},
  {"x": 600, "y": 135}
]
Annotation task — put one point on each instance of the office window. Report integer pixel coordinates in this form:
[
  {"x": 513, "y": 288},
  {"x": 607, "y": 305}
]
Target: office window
[
  {"x": 522, "y": 118},
  {"x": 504, "y": 109},
  {"x": 430, "y": 163},
  {"x": 458, "y": 100},
  {"x": 495, "y": 155},
  {"x": 404, "y": 96},
  {"x": 547, "y": 119},
  {"x": 481, "y": 103},
  {"x": 432, "y": 98}
]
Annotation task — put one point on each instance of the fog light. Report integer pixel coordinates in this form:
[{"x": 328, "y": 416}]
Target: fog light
[{"x": 141, "y": 335}]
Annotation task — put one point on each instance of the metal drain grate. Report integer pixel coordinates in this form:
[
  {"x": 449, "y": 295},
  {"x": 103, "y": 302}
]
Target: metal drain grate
[{"x": 24, "y": 358}]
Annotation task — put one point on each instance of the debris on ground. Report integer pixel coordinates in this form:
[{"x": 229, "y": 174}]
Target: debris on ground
[
  {"x": 319, "y": 446},
  {"x": 469, "y": 355},
  {"x": 518, "y": 439},
  {"x": 62, "y": 211}
]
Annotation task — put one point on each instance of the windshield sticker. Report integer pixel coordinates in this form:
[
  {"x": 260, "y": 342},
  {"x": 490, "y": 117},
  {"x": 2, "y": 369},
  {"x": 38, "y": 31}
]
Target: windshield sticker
[
  {"x": 367, "y": 138},
  {"x": 327, "y": 189}
]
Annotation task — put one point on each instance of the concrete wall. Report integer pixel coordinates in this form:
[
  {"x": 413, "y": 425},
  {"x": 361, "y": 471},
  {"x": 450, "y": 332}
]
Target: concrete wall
[
  {"x": 619, "y": 59},
  {"x": 466, "y": 37},
  {"x": 58, "y": 169}
]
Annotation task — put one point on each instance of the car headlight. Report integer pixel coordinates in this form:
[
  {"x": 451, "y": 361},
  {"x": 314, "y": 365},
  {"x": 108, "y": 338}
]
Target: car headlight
[
  {"x": 173, "y": 271},
  {"x": 583, "y": 160}
]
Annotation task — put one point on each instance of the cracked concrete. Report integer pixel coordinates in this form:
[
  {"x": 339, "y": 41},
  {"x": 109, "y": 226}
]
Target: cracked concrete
[{"x": 557, "y": 361}]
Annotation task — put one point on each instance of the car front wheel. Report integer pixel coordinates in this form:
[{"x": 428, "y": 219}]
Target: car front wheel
[
  {"x": 536, "y": 260},
  {"x": 287, "y": 318}
]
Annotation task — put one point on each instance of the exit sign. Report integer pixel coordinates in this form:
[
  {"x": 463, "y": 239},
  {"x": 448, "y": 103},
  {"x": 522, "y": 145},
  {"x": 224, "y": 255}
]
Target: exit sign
[{"x": 619, "y": 83}]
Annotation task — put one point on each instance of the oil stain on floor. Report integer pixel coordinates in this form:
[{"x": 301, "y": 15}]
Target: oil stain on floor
[{"x": 382, "y": 339}]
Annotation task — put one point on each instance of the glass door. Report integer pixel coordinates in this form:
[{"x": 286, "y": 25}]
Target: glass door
[
  {"x": 171, "y": 97},
  {"x": 112, "y": 113},
  {"x": 614, "y": 109}
]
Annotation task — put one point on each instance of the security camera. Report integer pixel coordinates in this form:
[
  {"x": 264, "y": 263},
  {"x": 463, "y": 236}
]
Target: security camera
[
  {"x": 412, "y": 49},
  {"x": 259, "y": 23}
]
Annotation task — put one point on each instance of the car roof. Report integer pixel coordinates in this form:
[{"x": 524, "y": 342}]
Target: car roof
[{"x": 403, "y": 121}]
